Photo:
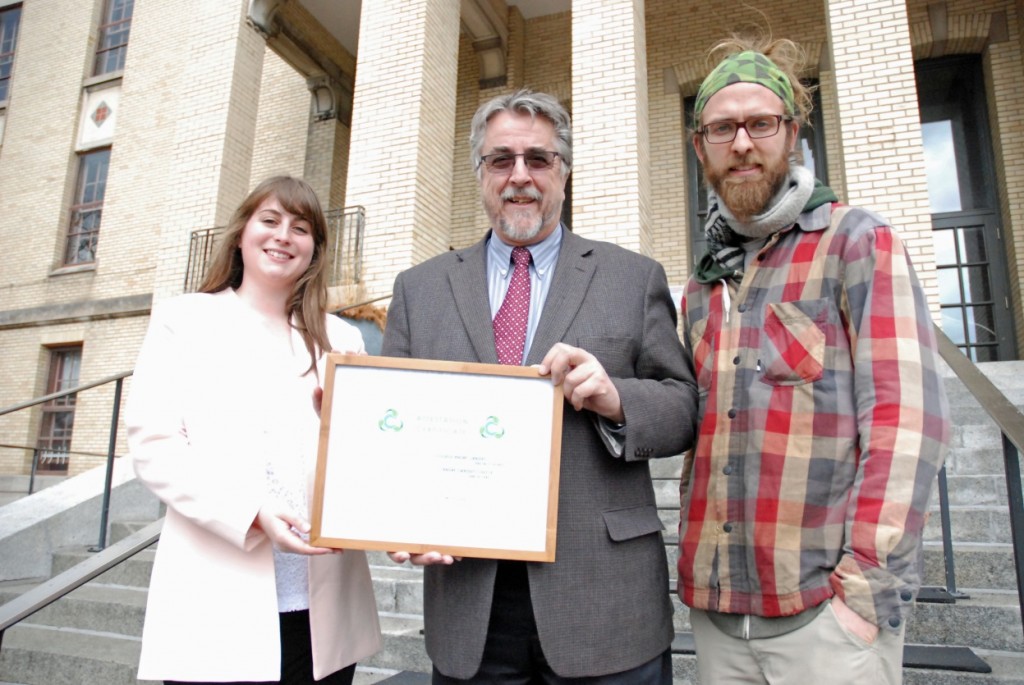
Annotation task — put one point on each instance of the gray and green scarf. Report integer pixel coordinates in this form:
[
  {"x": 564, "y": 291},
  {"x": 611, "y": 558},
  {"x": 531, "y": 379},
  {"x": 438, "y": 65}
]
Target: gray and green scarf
[{"x": 801, "y": 192}]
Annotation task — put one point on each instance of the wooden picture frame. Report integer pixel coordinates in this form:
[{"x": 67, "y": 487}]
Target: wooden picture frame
[{"x": 420, "y": 455}]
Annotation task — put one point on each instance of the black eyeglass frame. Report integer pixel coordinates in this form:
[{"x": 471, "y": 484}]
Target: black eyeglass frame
[
  {"x": 779, "y": 118},
  {"x": 539, "y": 156}
]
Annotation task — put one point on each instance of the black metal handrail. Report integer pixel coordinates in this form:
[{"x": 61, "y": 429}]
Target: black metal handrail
[
  {"x": 64, "y": 393},
  {"x": 118, "y": 380},
  {"x": 1010, "y": 421},
  {"x": 44, "y": 594}
]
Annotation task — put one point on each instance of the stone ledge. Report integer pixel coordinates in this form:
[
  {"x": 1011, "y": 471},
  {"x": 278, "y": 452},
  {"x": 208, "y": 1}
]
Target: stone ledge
[{"x": 69, "y": 312}]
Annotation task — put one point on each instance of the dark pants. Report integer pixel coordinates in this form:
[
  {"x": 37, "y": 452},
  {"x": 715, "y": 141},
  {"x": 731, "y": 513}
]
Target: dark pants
[
  {"x": 513, "y": 654},
  {"x": 296, "y": 657}
]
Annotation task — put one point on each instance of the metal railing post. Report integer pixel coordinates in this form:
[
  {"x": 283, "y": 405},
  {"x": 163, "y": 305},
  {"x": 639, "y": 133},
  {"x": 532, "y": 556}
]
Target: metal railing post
[
  {"x": 947, "y": 537},
  {"x": 107, "y": 484},
  {"x": 32, "y": 472},
  {"x": 1016, "y": 502}
]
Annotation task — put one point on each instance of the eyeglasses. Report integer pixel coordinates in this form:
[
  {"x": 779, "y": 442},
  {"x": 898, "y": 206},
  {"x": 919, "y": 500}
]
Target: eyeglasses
[
  {"x": 764, "y": 126},
  {"x": 503, "y": 162}
]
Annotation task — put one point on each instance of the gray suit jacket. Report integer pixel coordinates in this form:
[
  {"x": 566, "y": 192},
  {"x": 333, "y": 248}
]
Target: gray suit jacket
[{"x": 603, "y": 606}]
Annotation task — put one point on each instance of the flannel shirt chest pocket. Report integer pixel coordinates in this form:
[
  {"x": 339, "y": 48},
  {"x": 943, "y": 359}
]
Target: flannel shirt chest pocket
[{"x": 794, "y": 340}]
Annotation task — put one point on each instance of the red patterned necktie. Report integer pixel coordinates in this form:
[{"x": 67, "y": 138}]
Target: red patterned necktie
[{"x": 511, "y": 319}]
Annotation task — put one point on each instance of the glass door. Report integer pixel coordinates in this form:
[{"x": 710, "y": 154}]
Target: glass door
[{"x": 969, "y": 251}]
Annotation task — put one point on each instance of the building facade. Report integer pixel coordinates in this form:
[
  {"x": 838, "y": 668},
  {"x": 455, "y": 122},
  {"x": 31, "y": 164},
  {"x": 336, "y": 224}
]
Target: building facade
[{"x": 126, "y": 127}]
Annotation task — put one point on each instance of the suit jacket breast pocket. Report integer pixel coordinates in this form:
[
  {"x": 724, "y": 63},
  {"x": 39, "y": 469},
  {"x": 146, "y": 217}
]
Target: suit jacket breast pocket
[
  {"x": 794, "y": 340},
  {"x": 617, "y": 354},
  {"x": 632, "y": 522}
]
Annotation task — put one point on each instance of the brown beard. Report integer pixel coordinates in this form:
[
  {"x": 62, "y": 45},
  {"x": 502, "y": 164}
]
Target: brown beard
[{"x": 746, "y": 198}]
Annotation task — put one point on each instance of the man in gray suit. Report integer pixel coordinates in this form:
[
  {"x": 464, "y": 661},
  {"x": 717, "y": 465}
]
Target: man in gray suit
[{"x": 600, "y": 320}]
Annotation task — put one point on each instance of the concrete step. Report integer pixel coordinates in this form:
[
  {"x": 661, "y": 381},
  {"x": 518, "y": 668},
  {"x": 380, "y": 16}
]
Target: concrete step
[
  {"x": 43, "y": 655},
  {"x": 1007, "y": 669},
  {"x": 978, "y": 566},
  {"x": 133, "y": 572},
  {"x": 990, "y": 619},
  {"x": 971, "y": 523},
  {"x": 119, "y": 530},
  {"x": 972, "y": 490},
  {"x": 403, "y": 644},
  {"x": 96, "y": 607},
  {"x": 987, "y": 619},
  {"x": 398, "y": 589}
]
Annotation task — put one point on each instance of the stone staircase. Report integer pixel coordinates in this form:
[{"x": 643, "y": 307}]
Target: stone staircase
[{"x": 92, "y": 636}]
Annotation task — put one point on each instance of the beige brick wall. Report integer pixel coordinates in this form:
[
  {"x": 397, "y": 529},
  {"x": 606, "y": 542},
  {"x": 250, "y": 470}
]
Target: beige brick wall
[
  {"x": 37, "y": 169},
  {"x": 324, "y": 170},
  {"x": 326, "y": 154},
  {"x": 468, "y": 219},
  {"x": 282, "y": 122},
  {"x": 403, "y": 133},
  {"x": 107, "y": 344},
  {"x": 25, "y": 370},
  {"x": 880, "y": 123},
  {"x": 180, "y": 161},
  {"x": 610, "y": 123},
  {"x": 207, "y": 172}
]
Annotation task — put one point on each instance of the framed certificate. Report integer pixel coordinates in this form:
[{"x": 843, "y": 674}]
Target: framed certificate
[{"x": 418, "y": 455}]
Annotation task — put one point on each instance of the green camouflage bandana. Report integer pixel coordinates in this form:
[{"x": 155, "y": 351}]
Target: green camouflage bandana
[{"x": 745, "y": 67}]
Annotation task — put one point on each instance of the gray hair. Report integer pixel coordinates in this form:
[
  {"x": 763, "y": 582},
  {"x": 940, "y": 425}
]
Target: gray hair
[{"x": 525, "y": 102}]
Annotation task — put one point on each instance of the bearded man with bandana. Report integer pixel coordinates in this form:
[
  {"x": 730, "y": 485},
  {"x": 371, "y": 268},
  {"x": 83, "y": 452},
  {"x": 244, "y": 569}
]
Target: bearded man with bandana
[{"x": 822, "y": 422}]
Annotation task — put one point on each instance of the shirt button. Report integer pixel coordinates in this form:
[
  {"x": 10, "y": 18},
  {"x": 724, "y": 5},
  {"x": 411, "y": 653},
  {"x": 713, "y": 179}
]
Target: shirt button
[
  {"x": 727, "y": 470},
  {"x": 906, "y": 595},
  {"x": 727, "y": 528},
  {"x": 736, "y": 360},
  {"x": 742, "y": 308},
  {"x": 732, "y": 413},
  {"x": 894, "y": 621}
]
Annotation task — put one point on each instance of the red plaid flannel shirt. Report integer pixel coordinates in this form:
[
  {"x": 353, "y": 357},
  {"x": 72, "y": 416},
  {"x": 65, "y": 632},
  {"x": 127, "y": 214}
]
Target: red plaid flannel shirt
[{"x": 823, "y": 422}]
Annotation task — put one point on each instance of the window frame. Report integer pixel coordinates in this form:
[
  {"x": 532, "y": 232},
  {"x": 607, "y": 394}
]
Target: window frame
[
  {"x": 7, "y": 56},
  {"x": 110, "y": 59},
  {"x": 82, "y": 207},
  {"x": 58, "y": 378}
]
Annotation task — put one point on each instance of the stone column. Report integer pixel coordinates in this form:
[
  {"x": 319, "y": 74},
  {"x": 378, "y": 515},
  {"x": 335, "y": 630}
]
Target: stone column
[
  {"x": 881, "y": 148},
  {"x": 326, "y": 146},
  {"x": 195, "y": 79},
  {"x": 403, "y": 122},
  {"x": 611, "y": 178}
]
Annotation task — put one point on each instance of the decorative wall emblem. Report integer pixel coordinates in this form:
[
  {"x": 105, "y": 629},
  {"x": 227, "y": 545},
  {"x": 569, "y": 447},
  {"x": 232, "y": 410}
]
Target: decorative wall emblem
[{"x": 101, "y": 113}]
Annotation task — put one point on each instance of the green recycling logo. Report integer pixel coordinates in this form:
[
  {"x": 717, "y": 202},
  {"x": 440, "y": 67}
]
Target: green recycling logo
[
  {"x": 391, "y": 422},
  {"x": 492, "y": 428}
]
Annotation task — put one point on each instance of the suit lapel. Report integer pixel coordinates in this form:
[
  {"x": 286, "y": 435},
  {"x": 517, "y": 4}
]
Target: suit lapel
[
  {"x": 575, "y": 269},
  {"x": 468, "y": 279}
]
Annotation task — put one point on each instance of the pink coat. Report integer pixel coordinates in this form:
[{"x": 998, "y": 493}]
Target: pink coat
[{"x": 211, "y": 394}]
